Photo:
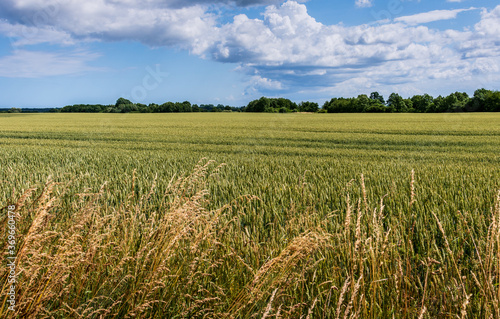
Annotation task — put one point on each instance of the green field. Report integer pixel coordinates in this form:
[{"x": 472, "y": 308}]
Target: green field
[{"x": 312, "y": 215}]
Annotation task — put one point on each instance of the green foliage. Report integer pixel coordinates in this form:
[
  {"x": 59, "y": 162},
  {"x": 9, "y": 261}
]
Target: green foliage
[
  {"x": 14, "y": 110},
  {"x": 362, "y": 103},
  {"x": 377, "y": 96},
  {"x": 122, "y": 101},
  {"x": 397, "y": 103},
  {"x": 339, "y": 105},
  {"x": 260, "y": 105},
  {"x": 375, "y": 106},
  {"x": 125, "y": 106},
  {"x": 483, "y": 101},
  {"x": 308, "y": 107},
  {"x": 85, "y": 108},
  {"x": 456, "y": 102},
  {"x": 273, "y": 105},
  {"x": 422, "y": 103}
]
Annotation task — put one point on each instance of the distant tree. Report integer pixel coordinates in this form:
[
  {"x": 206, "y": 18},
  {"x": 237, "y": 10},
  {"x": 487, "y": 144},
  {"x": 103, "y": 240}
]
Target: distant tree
[
  {"x": 376, "y": 107},
  {"x": 206, "y": 107},
  {"x": 122, "y": 101},
  {"x": 14, "y": 110},
  {"x": 259, "y": 105},
  {"x": 86, "y": 108},
  {"x": 455, "y": 102},
  {"x": 127, "y": 108},
  {"x": 493, "y": 102},
  {"x": 185, "y": 107},
  {"x": 153, "y": 108},
  {"x": 377, "y": 96},
  {"x": 421, "y": 103},
  {"x": 409, "y": 105},
  {"x": 286, "y": 103},
  {"x": 167, "y": 107},
  {"x": 308, "y": 107},
  {"x": 176, "y": 108},
  {"x": 339, "y": 105},
  {"x": 438, "y": 105},
  {"x": 484, "y": 101},
  {"x": 396, "y": 102},
  {"x": 123, "y": 105},
  {"x": 142, "y": 108},
  {"x": 361, "y": 103},
  {"x": 478, "y": 102}
]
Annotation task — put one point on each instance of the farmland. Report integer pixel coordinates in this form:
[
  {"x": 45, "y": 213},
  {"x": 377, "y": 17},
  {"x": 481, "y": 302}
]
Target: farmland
[{"x": 267, "y": 215}]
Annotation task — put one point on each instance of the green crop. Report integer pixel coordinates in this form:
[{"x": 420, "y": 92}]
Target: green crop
[{"x": 236, "y": 215}]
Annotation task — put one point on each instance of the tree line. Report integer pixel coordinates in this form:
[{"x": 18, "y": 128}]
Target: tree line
[
  {"x": 263, "y": 104},
  {"x": 482, "y": 101},
  {"x": 28, "y": 110},
  {"x": 123, "y": 105}
]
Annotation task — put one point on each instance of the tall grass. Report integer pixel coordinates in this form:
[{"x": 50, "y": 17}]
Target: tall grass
[{"x": 168, "y": 251}]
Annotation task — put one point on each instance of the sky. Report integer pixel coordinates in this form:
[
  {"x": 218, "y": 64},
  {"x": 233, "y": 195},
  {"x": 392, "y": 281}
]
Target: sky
[{"x": 61, "y": 52}]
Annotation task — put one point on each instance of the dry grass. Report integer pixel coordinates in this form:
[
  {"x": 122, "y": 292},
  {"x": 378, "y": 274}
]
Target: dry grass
[{"x": 180, "y": 259}]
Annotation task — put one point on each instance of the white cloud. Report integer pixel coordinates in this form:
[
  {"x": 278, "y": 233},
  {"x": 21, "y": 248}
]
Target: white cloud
[
  {"x": 490, "y": 23},
  {"x": 289, "y": 36},
  {"x": 264, "y": 83},
  {"x": 431, "y": 16},
  {"x": 364, "y": 3},
  {"x": 290, "y": 46},
  {"x": 283, "y": 50},
  {"x": 22, "y": 35},
  {"x": 35, "y": 64},
  {"x": 154, "y": 23}
]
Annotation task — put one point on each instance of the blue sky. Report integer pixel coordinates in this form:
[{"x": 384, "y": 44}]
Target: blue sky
[{"x": 59, "y": 52}]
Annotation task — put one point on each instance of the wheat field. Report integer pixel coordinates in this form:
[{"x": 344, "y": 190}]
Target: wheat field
[{"x": 241, "y": 215}]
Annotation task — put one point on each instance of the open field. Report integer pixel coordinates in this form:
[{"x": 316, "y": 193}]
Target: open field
[{"x": 312, "y": 215}]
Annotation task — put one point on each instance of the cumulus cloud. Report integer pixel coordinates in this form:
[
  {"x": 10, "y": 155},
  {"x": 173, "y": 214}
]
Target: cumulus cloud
[
  {"x": 154, "y": 22},
  {"x": 284, "y": 49},
  {"x": 431, "y": 16},
  {"x": 289, "y": 45},
  {"x": 289, "y": 36},
  {"x": 490, "y": 23}
]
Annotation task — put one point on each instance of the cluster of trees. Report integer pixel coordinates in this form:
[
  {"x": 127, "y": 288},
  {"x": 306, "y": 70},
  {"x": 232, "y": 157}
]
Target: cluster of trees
[
  {"x": 12, "y": 110},
  {"x": 29, "y": 110},
  {"x": 482, "y": 101},
  {"x": 280, "y": 105},
  {"x": 263, "y": 104},
  {"x": 125, "y": 106}
]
